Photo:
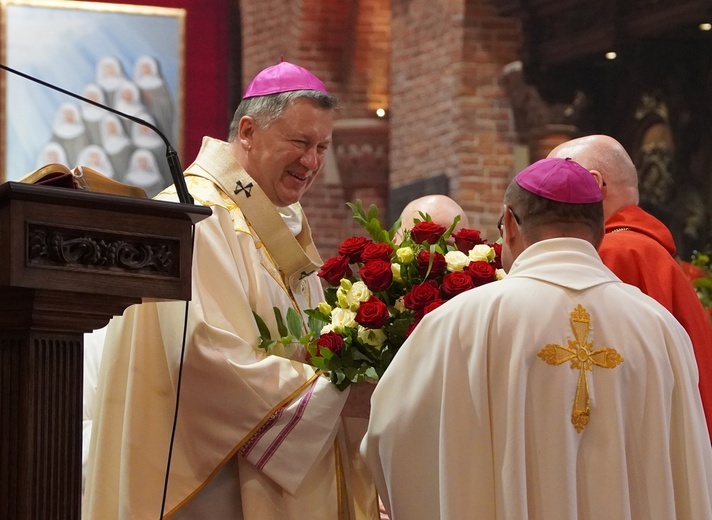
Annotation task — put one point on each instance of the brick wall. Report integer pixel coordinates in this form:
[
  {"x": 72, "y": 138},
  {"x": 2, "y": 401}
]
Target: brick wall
[
  {"x": 434, "y": 64},
  {"x": 448, "y": 112}
]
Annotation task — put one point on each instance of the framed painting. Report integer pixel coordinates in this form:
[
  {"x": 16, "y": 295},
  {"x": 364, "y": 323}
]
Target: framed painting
[{"x": 127, "y": 57}]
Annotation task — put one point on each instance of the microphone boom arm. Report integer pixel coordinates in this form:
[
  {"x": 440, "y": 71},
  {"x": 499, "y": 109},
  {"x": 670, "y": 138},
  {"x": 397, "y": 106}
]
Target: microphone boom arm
[{"x": 171, "y": 155}]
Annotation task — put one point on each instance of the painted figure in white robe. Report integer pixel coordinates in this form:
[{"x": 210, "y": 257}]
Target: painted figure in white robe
[
  {"x": 144, "y": 172},
  {"x": 52, "y": 153},
  {"x": 558, "y": 392},
  {"x": 69, "y": 131},
  {"x": 259, "y": 436},
  {"x": 117, "y": 144},
  {"x": 146, "y": 138},
  {"x": 155, "y": 93},
  {"x": 128, "y": 101},
  {"x": 92, "y": 114},
  {"x": 94, "y": 156},
  {"x": 109, "y": 75}
]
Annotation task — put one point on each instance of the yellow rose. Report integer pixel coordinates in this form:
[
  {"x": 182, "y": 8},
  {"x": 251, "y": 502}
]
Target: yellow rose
[
  {"x": 396, "y": 270},
  {"x": 405, "y": 255}
]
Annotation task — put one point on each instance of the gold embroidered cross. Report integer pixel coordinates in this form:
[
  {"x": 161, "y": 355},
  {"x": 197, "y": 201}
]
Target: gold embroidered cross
[{"x": 582, "y": 359}]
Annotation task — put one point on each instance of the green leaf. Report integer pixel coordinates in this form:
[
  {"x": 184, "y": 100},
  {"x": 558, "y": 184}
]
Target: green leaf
[
  {"x": 330, "y": 295},
  {"x": 372, "y": 374},
  {"x": 316, "y": 322},
  {"x": 262, "y": 326},
  {"x": 326, "y": 353},
  {"x": 280, "y": 322},
  {"x": 294, "y": 323},
  {"x": 372, "y": 212},
  {"x": 394, "y": 229}
]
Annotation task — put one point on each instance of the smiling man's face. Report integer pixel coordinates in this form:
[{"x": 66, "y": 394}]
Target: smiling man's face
[{"x": 285, "y": 157}]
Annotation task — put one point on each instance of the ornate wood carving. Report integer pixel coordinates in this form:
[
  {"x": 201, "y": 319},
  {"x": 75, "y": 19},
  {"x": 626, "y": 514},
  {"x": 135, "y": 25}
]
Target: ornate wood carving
[{"x": 67, "y": 247}]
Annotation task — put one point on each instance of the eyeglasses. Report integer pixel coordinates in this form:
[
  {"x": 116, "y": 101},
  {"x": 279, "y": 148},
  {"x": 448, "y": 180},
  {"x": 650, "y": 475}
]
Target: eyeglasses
[{"x": 501, "y": 219}]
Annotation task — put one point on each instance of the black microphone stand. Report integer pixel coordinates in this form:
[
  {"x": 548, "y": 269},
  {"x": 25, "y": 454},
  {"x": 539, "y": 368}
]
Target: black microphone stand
[{"x": 171, "y": 155}]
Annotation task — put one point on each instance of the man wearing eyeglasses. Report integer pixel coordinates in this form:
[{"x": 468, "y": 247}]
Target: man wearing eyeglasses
[{"x": 558, "y": 392}]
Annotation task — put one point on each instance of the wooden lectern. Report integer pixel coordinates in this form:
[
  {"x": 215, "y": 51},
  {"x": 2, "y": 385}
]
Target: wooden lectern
[{"x": 69, "y": 261}]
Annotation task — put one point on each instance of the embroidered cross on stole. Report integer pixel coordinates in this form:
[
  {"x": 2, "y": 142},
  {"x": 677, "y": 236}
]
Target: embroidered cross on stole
[{"x": 583, "y": 358}]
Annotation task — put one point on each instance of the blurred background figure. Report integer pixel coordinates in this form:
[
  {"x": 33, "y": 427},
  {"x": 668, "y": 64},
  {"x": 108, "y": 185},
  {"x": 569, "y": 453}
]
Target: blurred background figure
[
  {"x": 69, "y": 131},
  {"x": 95, "y": 158},
  {"x": 441, "y": 208},
  {"x": 52, "y": 153},
  {"x": 144, "y": 172},
  {"x": 154, "y": 92},
  {"x": 109, "y": 75}
]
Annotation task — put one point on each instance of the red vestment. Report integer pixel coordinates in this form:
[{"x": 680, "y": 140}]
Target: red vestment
[{"x": 639, "y": 249}]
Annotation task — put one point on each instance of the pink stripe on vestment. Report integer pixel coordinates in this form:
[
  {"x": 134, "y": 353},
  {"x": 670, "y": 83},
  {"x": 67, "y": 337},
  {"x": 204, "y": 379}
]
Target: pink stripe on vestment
[
  {"x": 277, "y": 442},
  {"x": 247, "y": 448}
]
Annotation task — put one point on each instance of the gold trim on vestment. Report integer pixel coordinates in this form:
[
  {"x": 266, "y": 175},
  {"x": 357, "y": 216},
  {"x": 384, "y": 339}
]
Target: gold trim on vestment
[
  {"x": 239, "y": 446},
  {"x": 582, "y": 359}
]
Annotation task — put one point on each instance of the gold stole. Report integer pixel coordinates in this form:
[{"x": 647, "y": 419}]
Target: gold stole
[{"x": 296, "y": 257}]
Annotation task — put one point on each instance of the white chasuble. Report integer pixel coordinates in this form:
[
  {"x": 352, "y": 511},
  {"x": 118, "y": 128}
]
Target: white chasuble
[
  {"x": 556, "y": 393},
  {"x": 259, "y": 437}
]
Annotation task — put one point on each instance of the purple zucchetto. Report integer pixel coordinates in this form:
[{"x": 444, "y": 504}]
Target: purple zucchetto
[
  {"x": 561, "y": 180},
  {"x": 283, "y": 77}
]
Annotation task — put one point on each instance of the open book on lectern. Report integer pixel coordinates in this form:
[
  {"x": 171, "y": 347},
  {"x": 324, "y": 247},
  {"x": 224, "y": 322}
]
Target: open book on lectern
[{"x": 81, "y": 177}]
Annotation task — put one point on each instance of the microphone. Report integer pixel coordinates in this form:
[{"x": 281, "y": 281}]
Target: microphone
[{"x": 171, "y": 155}]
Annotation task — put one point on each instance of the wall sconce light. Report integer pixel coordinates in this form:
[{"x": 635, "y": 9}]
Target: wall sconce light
[{"x": 611, "y": 55}]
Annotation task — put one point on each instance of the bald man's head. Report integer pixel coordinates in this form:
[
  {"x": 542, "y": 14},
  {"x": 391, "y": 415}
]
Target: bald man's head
[
  {"x": 610, "y": 163},
  {"x": 441, "y": 208}
]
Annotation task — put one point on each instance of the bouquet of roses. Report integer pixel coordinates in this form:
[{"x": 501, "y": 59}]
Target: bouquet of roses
[{"x": 379, "y": 289}]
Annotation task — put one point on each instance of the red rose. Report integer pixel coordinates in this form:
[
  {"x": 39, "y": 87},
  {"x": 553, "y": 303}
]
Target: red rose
[
  {"x": 377, "y": 275},
  {"x": 480, "y": 272},
  {"x": 377, "y": 252},
  {"x": 334, "y": 269},
  {"x": 426, "y": 231},
  {"x": 498, "y": 255},
  {"x": 466, "y": 239},
  {"x": 432, "y": 306},
  {"x": 330, "y": 340},
  {"x": 423, "y": 260},
  {"x": 455, "y": 283},
  {"x": 421, "y": 295},
  {"x": 353, "y": 247},
  {"x": 372, "y": 314}
]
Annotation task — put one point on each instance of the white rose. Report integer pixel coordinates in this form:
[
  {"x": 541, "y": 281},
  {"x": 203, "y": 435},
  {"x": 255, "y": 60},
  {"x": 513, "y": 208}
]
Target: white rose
[
  {"x": 329, "y": 327},
  {"x": 456, "y": 260},
  {"x": 373, "y": 337},
  {"x": 482, "y": 253},
  {"x": 342, "y": 319},
  {"x": 356, "y": 294},
  {"x": 500, "y": 274}
]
